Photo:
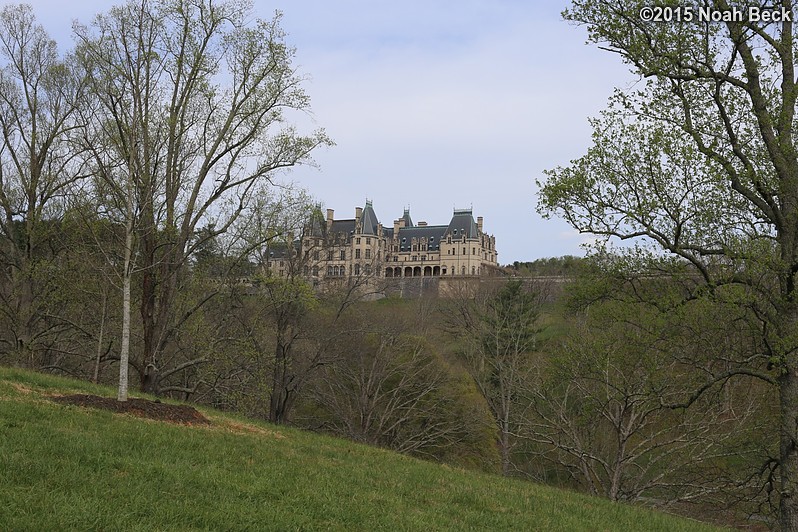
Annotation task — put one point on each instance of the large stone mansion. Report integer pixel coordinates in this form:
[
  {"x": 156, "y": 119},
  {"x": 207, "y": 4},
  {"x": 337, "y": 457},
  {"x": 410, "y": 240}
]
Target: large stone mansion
[{"x": 361, "y": 246}]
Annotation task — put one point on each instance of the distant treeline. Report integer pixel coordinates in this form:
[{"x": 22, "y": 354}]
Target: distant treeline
[{"x": 567, "y": 265}]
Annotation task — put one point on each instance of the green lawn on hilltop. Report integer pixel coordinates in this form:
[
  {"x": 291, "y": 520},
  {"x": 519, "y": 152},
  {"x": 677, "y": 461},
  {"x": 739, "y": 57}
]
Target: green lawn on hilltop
[{"x": 70, "y": 468}]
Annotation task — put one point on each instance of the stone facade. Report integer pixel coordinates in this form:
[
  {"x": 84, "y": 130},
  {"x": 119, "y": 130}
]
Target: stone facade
[{"x": 361, "y": 246}]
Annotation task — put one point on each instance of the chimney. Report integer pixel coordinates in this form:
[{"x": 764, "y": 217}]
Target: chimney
[
  {"x": 401, "y": 222},
  {"x": 396, "y": 228},
  {"x": 421, "y": 224},
  {"x": 358, "y": 214},
  {"x": 479, "y": 223},
  {"x": 330, "y": 214}
]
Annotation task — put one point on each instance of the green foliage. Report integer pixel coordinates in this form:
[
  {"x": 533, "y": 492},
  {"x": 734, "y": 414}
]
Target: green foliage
[
  {"x": 509, "y": 320},
  {"x": 565, "y": 266},
  {"x": 617, "y": 408}
]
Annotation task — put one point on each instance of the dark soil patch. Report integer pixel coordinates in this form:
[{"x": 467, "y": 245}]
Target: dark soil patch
[{"x": 183, "y": 414}]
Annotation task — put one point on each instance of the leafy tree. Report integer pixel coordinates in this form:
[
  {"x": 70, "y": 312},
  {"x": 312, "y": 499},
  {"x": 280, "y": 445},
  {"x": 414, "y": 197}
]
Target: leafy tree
[
  {"x": 700, "y": 162},
  {"x": 499, "y": 329}
]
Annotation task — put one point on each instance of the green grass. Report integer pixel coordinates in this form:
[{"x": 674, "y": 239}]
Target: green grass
[{"x": 69, "y": 468}]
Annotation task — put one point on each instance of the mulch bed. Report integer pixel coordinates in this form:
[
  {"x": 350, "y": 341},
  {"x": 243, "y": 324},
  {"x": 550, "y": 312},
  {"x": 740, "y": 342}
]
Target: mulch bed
[{"x": 183, "y": 414}]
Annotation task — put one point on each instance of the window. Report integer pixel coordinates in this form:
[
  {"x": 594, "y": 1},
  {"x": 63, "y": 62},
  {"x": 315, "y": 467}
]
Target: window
[
  {"x": 473, "y": 251},
  {"x": 357, "y": 253},
  {"x": 415, "y": 257},
  {"x": 357, "y": 241},
  {"x": 315, "y": 255},
  {"x": 330, "y": 255},
  {"x": 343, "y": 254},
  {"x": 368, "y": 253},
  {"x": 315, "y": 271},
  {"x": 464, "y": 251},
  {"x": 423, "y": 257},
  {"x": 473, "y": 270},
  {"x": 368, "y": 241},
  {"x": 329, "y": 271},
  {"x": 368, "y": 269},
  {"x": 357, "y": 269}
]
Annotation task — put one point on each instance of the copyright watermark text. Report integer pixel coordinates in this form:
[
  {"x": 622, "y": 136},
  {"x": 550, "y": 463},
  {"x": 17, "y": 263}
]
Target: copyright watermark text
[{"x": 708, "y": 14}]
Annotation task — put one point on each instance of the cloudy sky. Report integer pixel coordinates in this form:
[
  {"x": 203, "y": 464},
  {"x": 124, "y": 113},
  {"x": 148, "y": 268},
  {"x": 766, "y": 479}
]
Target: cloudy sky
[{"x": 437, "y": 104}]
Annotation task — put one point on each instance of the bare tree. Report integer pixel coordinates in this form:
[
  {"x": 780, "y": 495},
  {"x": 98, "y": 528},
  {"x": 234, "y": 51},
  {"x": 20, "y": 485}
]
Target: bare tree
[
  {"x": 603, "y": 414},
  {"x": 196, "y": 95},
  {"x": 38, "y": 96},
  {"x": 388, "y": 387}
]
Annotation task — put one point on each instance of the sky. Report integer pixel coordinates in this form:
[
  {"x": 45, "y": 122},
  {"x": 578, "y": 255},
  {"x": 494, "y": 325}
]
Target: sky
[{"x": 436, "y": 105}]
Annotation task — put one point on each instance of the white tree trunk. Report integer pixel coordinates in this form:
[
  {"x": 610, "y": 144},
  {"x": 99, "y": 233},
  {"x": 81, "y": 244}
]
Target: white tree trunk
[{"x": 124, "y": 354}]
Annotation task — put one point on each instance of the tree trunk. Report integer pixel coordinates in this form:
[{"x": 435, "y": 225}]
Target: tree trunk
[
  {"x": 149, "y": 286},
  {"x": 277, "y": 410},
  {"x": 504, "y": 446},
  {"x": 788, "y": 455},
  {"x": 124, "y": 354},
  {"x": 96, "y": 376}
]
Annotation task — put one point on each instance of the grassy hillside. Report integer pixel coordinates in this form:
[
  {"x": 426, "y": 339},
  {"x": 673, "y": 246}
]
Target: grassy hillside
[{"x": 71, "y": 468}]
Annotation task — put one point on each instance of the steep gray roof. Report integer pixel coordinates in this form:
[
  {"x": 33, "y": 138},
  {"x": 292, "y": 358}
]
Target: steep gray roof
[
  {"x": 318, "y": 225},
  {"x": 433, "y": 234},
  {"x": 343, "y": 226},
  {"x": 406, "y": 217},
  {"x": 369, "y": 221},
  {"x": 462, "y": 223},
  {"x": 279, "y": 250}
]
